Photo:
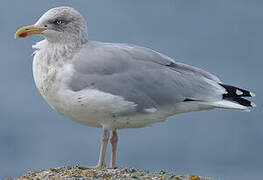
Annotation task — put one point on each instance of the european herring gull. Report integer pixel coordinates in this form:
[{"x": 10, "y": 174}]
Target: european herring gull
[{"x": 115, "y": 86}]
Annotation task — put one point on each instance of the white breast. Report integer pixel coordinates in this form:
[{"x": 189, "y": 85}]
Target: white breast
[{"x": 90, "y": 106}]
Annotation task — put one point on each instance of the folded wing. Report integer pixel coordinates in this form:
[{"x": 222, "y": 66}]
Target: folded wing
[{"x": 144, "y": 77}]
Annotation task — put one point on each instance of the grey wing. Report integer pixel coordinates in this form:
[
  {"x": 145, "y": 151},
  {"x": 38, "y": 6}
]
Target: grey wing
[{"x": 140, "y": 75}]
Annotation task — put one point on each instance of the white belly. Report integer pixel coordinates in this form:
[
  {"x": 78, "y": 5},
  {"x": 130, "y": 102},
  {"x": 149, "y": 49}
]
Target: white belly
[{"x": 95, "y": 108}]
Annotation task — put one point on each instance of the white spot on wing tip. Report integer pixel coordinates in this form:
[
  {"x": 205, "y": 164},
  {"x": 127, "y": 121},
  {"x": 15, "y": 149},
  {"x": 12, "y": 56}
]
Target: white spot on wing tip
[
  {"x": 238, "y": 92},
  {"x": 252, "y": 94}
]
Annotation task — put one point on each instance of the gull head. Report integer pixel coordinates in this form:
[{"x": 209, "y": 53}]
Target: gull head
[{"x": 58, "y": 25}]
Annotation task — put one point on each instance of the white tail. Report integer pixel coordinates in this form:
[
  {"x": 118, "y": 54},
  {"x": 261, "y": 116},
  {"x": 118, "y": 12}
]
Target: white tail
[{"x": 224, "y": 104}]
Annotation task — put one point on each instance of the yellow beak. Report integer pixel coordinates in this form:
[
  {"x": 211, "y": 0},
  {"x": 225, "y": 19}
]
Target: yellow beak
[{"x": 27, "y": 31}]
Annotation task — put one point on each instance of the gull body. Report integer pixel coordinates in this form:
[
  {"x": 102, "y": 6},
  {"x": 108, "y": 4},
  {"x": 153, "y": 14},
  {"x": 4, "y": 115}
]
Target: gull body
[
  {"x": 55, "y": 79},
  {"x": 115, "y": 86}
]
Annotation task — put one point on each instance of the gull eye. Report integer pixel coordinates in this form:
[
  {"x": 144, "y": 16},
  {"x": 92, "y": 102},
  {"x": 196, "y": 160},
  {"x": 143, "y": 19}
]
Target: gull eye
[{"x": 59, "y": 22}]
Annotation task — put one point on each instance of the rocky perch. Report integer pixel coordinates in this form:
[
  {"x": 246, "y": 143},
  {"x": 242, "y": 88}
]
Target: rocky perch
[{"x": 80, "y": 173}]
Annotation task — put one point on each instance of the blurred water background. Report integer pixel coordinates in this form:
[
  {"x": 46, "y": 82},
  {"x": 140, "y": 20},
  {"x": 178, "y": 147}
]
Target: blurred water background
[{"x": 221, "y": 36}]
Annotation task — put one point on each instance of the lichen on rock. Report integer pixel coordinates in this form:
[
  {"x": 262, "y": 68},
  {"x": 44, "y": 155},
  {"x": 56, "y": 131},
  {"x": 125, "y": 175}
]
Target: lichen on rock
[{"x": 79, "y": 173}]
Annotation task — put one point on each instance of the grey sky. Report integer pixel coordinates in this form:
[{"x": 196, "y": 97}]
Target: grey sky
[{"x": 223, "y": 37}]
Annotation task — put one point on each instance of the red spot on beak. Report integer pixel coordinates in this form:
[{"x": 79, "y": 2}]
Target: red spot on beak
[{"x": 23, "y": 35}]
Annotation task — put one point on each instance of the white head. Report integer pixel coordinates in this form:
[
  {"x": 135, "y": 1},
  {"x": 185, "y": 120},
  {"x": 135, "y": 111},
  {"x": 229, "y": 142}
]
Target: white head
[{"x": 58, "y": 25}]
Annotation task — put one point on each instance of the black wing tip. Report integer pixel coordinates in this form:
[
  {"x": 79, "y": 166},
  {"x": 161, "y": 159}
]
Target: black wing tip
[
  {"x": 243, "y": 101},
  {"x": 187, "y": 100},
  {"x": 233, "y": 91},
  {"x": 237, "y": 95}
]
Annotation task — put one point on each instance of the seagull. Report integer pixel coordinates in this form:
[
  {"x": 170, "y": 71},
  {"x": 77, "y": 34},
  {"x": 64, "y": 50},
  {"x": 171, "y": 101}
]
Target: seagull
[{"x": 115, "y": 86}]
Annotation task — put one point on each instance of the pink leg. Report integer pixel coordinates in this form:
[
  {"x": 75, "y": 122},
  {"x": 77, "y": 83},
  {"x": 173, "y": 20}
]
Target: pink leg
[
  {"x": 103, "y": 148},
  {"x": 114, "y": 141}
]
